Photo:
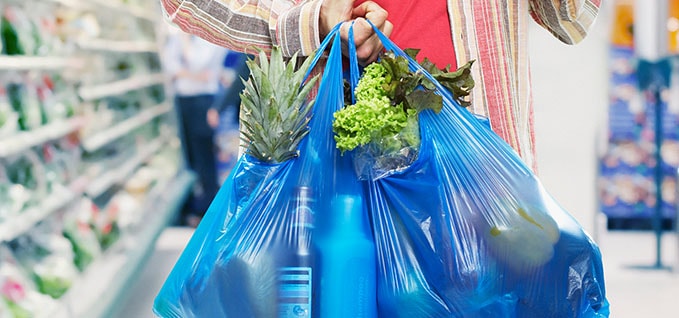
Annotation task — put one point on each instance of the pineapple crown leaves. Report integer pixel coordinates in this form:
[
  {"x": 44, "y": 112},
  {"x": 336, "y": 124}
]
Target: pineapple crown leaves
[{"x": 276, "y": 110}]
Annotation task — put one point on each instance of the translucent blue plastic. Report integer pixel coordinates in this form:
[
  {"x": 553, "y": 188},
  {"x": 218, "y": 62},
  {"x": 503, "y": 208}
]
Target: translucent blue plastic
[
  {"x": 232, "y": 265},
  {"x": 469, "y": 231},
  {"x": 466, "y": 231}
]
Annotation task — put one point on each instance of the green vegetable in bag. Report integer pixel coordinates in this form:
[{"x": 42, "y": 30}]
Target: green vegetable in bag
[{"x": 388, "y": 99}]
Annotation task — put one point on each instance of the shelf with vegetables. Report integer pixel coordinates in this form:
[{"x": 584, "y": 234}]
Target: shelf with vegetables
[
  {"x": 121, "y": 86},
  {"x": 119, "y": 174},
  {"x": 20, "y": 141},
  {"x": 109, "y": 242},
  {"x": 90, "y": 296},
  {"x": 101, "y": 138},
  {"x": 71, "y": 188},
  {"x": 90, "y": 164}
]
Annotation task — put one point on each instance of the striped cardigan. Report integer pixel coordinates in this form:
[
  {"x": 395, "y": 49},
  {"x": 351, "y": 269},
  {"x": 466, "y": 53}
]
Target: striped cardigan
[{"x": 492, "y": 32}]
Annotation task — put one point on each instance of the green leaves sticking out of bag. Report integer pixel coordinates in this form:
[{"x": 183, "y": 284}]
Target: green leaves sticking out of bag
[{"x": 276, "y": 111}]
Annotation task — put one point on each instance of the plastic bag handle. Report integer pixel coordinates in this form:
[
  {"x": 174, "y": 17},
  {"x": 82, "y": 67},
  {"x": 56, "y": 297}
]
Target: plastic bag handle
[
  {"x": 353, "y": 63},
  {"x": 321, "y": 49}
]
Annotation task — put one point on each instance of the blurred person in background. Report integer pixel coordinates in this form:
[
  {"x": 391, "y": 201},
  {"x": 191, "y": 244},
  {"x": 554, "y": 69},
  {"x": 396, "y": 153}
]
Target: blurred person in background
[
  {"x": 195, "y": 66},
  {"x": 228, "y": 100}
]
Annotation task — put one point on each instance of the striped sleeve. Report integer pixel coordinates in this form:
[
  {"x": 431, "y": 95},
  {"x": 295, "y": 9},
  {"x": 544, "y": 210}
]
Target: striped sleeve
[
  {"x": 248, "y": 25},
  {"x": 567, "y": 20}
]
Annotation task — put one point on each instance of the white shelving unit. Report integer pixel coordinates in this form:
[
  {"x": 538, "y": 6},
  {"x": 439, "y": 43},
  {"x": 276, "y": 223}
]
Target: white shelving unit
[
  {"x": 13, "y": 228},
  {"x": 20, "y": 142},
  {"x": 118, "y": 175},
  {"x": 120, "y": 87},
  {"x": 98, "y": 140},
  {"x": 91, "y": 295},
  {"x": 19, "y": 63},
  {"x": 98, "y": 291}
]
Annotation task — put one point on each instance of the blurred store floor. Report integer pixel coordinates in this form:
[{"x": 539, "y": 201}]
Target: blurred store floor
[
  {"x": 633, "y": 289},
  {"x": 570, "y": 97},
  {"x": 168, "y": 248}
]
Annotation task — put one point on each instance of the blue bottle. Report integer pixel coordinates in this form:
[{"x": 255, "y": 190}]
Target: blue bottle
[
  {"x": 296, "y": 260},
  {"x": 347, "y": 262}
]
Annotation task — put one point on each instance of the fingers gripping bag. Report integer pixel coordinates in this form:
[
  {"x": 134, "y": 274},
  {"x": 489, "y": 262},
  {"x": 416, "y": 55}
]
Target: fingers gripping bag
[
  {"x": 288, "y": 230},
  {"x": 462, "y": 227}
]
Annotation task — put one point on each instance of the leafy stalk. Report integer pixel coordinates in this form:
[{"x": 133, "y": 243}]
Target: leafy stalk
[
  {"x": 275, "y": 106},
  {"x": 388, "y": 99}
]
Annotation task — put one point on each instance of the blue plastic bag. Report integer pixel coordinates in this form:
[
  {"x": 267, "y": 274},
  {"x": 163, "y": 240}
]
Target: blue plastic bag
[
  {"x": 240, "y": 261},
  {"x": 467, "y": 230}
]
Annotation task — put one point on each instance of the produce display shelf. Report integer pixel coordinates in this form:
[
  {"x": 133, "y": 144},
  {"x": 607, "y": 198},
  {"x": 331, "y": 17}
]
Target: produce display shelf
[
  {"x": 118, "y": 46},
  {"x": 120, "y": 174},
  {"x": 18, "y": 225},
  {"x": 21, "y": 141},
  {"x": 120, "y": 87},
  {"x": 99, "y": 292},
  {"x": 100, "y": 139},
  {"x": 9, "y": 62}
]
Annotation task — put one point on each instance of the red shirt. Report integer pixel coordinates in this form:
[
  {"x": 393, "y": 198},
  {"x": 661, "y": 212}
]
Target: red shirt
[{"x": 421, "y": 25}]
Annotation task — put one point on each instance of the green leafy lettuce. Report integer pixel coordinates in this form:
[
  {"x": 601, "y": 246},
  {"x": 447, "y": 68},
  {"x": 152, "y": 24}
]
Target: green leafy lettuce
[{"x": 389, "y": 98}]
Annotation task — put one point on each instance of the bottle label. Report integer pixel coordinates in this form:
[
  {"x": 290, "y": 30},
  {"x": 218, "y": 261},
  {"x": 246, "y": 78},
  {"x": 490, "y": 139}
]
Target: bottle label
[
  {"x": 294, "y": 292},
  {"x": 304, "y": 217},
  {"x": 303, "y": 208}
]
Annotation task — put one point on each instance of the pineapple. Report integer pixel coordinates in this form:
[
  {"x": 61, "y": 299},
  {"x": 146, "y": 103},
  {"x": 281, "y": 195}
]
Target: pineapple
[{"x": 275, "y": 110}]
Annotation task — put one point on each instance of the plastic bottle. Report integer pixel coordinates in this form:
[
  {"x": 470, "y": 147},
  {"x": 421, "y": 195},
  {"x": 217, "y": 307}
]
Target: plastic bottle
[
  {"x": 296, "y": 269},
  {"x": 347, "y": 262},
  {"x": 10, "y": 37}
]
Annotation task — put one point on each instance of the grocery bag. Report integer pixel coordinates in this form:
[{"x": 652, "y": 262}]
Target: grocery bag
[
  {"x": 256, "y": 253},
  {"x": 467, "y": 229}
]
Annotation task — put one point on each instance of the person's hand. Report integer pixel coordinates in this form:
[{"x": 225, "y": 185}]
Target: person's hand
[
  {"x": 202, "y": 76},
  {"x": 212, "y": 118},
  {"x": 333, "y": 12},
  {"x": 368, "y": 45}
]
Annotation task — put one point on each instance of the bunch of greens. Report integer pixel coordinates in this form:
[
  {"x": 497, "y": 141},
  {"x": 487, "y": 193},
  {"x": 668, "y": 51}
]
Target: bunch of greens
[{"x": 389, "y": 97}]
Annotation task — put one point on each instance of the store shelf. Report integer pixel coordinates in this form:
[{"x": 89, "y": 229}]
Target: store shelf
[
  {"x": 19, "y": 63},
  {"x": 121, "y": 86},
  {"x": 17, "y": 226},
  {"x": 24, "y": 140},
  {"x": 98, "y": 292},
  {"x": 120, "y": 174},
  {"x": 104, "y": 283},
  {"x": 118, "y": 46},
  {"x": 100, "y": 139}
]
